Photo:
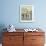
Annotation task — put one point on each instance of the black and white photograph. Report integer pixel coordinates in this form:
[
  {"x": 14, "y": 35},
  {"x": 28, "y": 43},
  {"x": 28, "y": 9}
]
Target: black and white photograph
[{"x": 26, "y": 13}]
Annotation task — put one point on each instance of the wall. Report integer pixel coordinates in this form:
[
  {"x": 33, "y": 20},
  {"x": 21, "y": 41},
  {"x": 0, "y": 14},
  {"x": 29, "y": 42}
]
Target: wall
[{"x": 10, "y": 13}]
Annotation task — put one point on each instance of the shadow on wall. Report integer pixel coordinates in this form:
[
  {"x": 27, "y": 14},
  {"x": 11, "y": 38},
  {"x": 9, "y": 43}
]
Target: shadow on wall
[{"x": 2, "y": 26}]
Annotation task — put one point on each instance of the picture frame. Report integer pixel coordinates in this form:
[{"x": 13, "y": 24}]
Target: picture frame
[{"x": 27, "y": 13}]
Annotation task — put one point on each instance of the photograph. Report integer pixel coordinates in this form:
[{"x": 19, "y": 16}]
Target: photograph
[{"x": 26, "y": 13}]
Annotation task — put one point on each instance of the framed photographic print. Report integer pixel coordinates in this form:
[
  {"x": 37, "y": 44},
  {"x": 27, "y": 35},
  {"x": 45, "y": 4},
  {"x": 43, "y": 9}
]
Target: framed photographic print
[{"x": 26, "y": 13}]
